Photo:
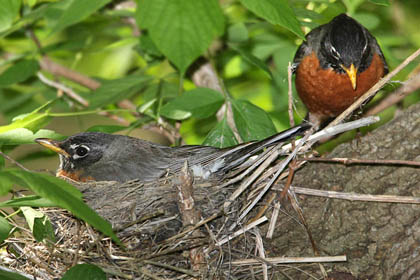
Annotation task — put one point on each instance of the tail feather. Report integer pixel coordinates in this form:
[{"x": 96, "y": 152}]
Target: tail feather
[{"x": 234, "y": 157}]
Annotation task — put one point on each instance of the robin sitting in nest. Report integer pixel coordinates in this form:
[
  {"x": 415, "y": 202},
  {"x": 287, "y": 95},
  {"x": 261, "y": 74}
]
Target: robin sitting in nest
[{"x": 105, "y": 157}]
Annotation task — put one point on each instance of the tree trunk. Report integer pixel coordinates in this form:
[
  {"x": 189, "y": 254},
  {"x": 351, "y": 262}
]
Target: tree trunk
[{"x": 381, "y": 240}]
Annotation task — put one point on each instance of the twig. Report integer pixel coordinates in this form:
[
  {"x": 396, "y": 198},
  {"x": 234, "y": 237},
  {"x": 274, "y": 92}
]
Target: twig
[
  {"x": 350, "y": 161},
  {"x": 261, "y": 158},
  {"x": 171, "y": 267},
  {"x": 282, "y": 260},
  {"x": 334, "y": 130},
  {"x": 289, "y": 181},
  {"x": 260, "y": 248},
  {"x": 299, "y": 211},
  {"x": 273, "y": 220},
  {"x": 69, "y": 92},
  {"x": 140, "y": 220},
  {"x": 190, "y": 215},
  {"x": 397, "y": 95},
  {"x": 150, "y": 274},
  {"x": 372, "y": 91},
  {"x": 282, "y": 165},
  {"x": 290, "y": 94},
  {"x": 241, "y": 231},
  {"x": 117, "y": 273},
  {"x": 251, "y": 179},
  {"x": 197, "y": 225},
  {"x": 354, "y": 196},
  {"x": 14, "y": 161},
  {"x": 58, "y": 70}
]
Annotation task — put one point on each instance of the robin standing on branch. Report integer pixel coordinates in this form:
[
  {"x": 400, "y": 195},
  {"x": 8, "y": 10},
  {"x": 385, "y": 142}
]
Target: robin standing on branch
[
  {"x": 94, "y": 156},
  {"x": 338, "y": 62}
]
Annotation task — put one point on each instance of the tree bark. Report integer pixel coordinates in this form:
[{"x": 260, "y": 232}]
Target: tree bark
[{"x": 381, "y": 240}]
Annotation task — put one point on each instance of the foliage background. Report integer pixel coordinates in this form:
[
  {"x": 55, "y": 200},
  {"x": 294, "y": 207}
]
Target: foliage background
[
  {"x": 138, "y": 56},
  {"x": 128, "y": 49}
]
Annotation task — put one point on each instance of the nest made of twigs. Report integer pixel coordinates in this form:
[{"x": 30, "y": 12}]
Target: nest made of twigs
[{"x": 164, "y": 237}]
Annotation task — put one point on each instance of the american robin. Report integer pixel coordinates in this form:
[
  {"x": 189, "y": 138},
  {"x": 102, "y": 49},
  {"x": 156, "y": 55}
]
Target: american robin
[
  {"x": 94, "y": 156},
  {"x": 338, "y": 62}
]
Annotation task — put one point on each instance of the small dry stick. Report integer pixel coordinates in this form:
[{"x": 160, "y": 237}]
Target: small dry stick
[
  {"x": 70, "y": 93},
  {"x": 59, "y": 70},
  {"x": 337, "y": 129},
  {"x": 260, "y": 248},
  {"x": 14, "y": 161},
  {"x": 283, "y": 260},
  {"x": 282, "y": 166},
  {"x": 199, "y": 224},
  {"x": 273, "y": 220},
  {"x": 171, "y": 267},
  {"x": 190, "y": 215},
  {"x": 290, "y": 94},
  {"x": 407, "y": 88},
  {"x": 150, "y": 274},
  {"x": 350, "y": 161},
  {"x": 355, "y": 196},
  {"x": 261, "y": 158},
  {"x": 140, "y": 220},
  {"x": 241, "y": 231},
  {"x": 251, "y": 179}
]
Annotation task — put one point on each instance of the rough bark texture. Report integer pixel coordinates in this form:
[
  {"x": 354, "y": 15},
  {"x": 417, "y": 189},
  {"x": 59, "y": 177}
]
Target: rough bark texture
[{"x": 381, "y": 240}]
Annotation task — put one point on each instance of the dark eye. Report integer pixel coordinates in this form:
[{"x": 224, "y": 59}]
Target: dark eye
[{"x": 81, "y": 151}]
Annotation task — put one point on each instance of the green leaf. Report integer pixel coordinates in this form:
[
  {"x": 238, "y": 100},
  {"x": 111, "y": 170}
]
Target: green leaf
[
  {"x": 237, "y": 33},
  {"x": 27, "y": 19},
  {"x": 252, "y": 122},
  {"x": 38, "y": 223},
  {"x": 198, "y": 103},
  {"x": 253, "y": 60},
  {"x": 5, "y": 229},
  {"x": 381, "y": 2},
  {"x": 115, "y": 90},
  {"x": 106, "y": 128},
  {"x": 32, "y": 121},
  {"x": 31, "y": 3},
  {"x": 221, "y": 136},
  {"x": 7, "y": 274},
  {"x": 181, "y": 29},
  {"x": 60, "y": 192},
  {"x": 2, "y": 163},
  {"x": 275, "y": 12},
  {"x": 370, "y": 21},
  {"x": 84, "y": 271},
  {"x": 30, "y": 200},
  {"x": 174, "y": 113},
  {"x": 148, "y": 47},
  {"x": 19, "y": 72},
  {"x": 9, "y": 11},
  {"x": 5, "y": 186},
  {"x": 76, "y": 12},
  {"x": 19, "y": 136},
  {"x": 30, "y": 216}
]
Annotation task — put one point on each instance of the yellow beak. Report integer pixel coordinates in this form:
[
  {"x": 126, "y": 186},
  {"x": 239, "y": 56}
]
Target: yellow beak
[
  {"x": 52, "y": 145},
  {"x": 352, "y": 73}
]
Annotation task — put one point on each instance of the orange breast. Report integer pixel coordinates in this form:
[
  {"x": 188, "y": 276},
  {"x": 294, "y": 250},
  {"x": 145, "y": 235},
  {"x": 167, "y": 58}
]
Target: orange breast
[
  {"x": 327, "y": 93},
  {"x": 75, "y": 176}
]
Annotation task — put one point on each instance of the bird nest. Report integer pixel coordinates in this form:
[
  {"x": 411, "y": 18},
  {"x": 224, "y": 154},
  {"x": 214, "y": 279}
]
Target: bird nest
[{"x": 178, "y": 227}]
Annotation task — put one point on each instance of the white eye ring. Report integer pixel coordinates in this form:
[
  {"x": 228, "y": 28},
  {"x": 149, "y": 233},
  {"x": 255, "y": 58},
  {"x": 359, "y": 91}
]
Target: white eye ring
[{"x": 80, "y": 151}]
